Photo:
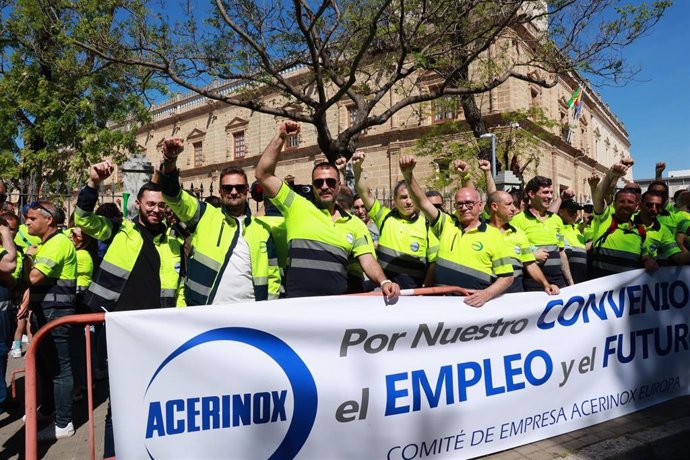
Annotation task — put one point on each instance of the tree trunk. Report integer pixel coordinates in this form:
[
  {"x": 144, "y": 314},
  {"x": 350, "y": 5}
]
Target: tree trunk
[{"x": 473, "y": 116}]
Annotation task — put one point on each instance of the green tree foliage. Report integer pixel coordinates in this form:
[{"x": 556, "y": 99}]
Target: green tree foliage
[
  {"x": 318, "y": 54},
  {"x": 58, "y": 102},
  {"x": 520, "y": 140}
]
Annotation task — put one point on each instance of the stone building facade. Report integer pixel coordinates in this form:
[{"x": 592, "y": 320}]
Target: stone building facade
[{"x": 218, "y": 135}]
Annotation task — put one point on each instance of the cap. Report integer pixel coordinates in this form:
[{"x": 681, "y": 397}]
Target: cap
[{"x": 570, "y": 204}]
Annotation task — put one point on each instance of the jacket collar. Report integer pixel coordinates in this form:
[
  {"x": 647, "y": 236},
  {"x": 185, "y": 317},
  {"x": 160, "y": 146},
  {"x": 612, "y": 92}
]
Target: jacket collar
[{"x": 529, "y": 214}]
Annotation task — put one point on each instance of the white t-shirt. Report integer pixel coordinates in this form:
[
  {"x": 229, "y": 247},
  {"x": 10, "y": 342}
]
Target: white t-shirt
[{"x": 236, "y": 283}]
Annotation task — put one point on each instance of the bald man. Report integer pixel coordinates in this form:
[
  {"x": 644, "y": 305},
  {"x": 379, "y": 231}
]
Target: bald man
[
  {"x": 501, "y": 207},
  {"x": 472, "y": 254}
]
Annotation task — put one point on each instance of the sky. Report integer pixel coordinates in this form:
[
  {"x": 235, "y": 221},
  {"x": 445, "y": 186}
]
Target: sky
[{"x": 655, "y": 108}]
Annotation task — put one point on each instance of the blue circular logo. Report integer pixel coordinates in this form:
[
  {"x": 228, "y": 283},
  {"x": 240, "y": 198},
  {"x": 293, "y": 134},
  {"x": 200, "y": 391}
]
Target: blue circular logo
[
  {"x": 299, "y": 376},
  {"x": 414, "y": 246}
]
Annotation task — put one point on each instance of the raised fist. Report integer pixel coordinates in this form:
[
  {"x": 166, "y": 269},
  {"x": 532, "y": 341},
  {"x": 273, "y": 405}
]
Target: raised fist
[
  {"x": 407, "y": 164},
  {"x": 340, "y": 163},
  {"x": 461, "y": 167},
  {"x": 288, "y": 128},
  {"x": 100, "y": 171},
  {"x": 484, "y": 165},
  {"x": 567, "y": 194},
  {"x": 357, "y": 159},
  {"x": 659, "y": 168},
  {"x": 172, "y": 147},
  {"x": 628, "y": 161},
  {"x": 619, "y": 169},
  {"x": 593, "y": 180}
]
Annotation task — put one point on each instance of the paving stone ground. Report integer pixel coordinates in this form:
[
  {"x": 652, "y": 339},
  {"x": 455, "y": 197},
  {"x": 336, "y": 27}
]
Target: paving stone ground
[{"x": 661, "y": 432}]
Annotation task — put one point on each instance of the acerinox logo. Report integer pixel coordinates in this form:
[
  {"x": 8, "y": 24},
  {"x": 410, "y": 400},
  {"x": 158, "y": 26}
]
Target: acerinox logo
[
  {"x": 477, "y": 246},
  {"x": 173, "y": 411}
]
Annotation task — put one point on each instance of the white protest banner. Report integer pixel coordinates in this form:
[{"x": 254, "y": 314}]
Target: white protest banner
[{"x": 350, "y": 377}]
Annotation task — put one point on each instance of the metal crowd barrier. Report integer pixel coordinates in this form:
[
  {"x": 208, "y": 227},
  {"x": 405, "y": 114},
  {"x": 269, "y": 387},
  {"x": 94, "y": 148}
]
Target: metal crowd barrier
[{"x": 31, "y": 444}]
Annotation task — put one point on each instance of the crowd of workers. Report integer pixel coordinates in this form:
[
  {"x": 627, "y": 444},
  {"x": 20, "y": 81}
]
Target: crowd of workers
[{"x": 182, "y": 251}]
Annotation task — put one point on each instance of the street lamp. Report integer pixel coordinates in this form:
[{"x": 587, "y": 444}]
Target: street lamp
[{"x": 492, "y": 136}]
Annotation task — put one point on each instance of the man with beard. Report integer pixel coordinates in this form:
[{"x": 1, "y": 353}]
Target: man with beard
[
  {"x": 617, "y": 239},
  {"x": 140, "y": 269},
  {"x": 543, "y": 229},
  {"x": 233, "y": 256},
  {"x": 471, "y": 253},
  {"x": 321, "y": 236},
  {"x": 659, "y": 238}
]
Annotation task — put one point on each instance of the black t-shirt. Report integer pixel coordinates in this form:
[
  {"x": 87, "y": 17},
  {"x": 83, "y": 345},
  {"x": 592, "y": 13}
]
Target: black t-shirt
[{"x": 143, "y": 288}]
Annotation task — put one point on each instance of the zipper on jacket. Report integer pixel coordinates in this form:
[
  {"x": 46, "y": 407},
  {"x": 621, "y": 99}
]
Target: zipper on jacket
[{"x": 220, "y": 234}]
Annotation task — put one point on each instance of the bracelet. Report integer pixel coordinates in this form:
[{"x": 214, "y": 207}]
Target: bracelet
[{"x": 384, "y": 282}]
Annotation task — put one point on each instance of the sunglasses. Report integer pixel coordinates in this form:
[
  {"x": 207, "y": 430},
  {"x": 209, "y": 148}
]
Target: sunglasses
[
  {"x": 227, "y": 188},
  {"x": 38, "y": 205},
  {"x": 330, "y": 182}
]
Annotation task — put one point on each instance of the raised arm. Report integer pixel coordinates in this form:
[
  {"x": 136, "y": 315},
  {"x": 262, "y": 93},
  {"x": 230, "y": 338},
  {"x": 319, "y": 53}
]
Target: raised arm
[
  {"x": 361, "y": 185},
  {"x": 593, "y": 181},
  {"x": 566, "y": 194},
  {"x": 98, "y": 227},
  {"x": 407, "y": 164},
  {"x": 659, "y": 170},
  {"x": 266, "y": 168},
  {"x": 341, "y": 165},
  {"x": 607, "y": 183},
  {"x": 485, "y": 166}
]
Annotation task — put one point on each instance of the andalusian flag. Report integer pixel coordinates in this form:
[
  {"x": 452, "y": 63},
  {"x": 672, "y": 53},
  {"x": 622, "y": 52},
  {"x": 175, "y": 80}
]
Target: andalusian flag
[
  {"x": 578, "y": 105},
  {"x": 576, "y": 97}
]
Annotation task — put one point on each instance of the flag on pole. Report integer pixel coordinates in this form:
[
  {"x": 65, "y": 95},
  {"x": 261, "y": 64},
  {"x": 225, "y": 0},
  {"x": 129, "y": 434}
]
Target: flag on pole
[
  {"x": 575, "y": 97},
  {"x": 578, "y": 105}
]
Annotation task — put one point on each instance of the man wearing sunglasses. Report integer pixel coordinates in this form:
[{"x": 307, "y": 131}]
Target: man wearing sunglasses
[
  {"x": 626, "y": 241},
  {"x": 52, "y": 274},
  {"x": 233, "y": 255},
  {"x": 660, "y": 242},
  {"x": 322, "y": 236}
]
